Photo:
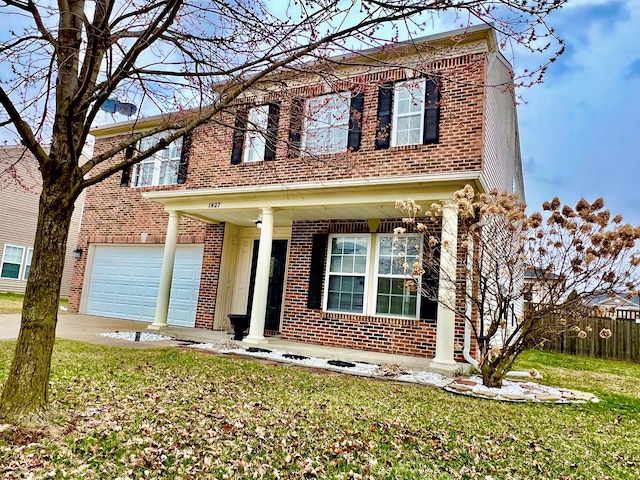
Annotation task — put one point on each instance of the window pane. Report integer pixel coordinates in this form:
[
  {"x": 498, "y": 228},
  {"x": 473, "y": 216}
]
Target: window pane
[
  {"x": 333, "y": 301},
  {"x": 384, "y": 265},
  {"x": 382, "y": 305},
  {"x": 347, "y": 264},
  {"x": 397, "y": 267},
  {"x": 362, "y": 245},
  {"x": 336, "y": 245},
  {"x": 336, "y": 263},
  {"x": 386, "y": 244},
  {"x": 360, "y": 265},
  {"x": 384, "y": 285},
  {"x": 10, "y": 270}
]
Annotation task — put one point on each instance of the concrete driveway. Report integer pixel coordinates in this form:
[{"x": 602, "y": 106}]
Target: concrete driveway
[{"x": 86, "y": 328}]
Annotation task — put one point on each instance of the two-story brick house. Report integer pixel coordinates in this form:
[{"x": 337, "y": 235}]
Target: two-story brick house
[{"x": 318, "y": 167}]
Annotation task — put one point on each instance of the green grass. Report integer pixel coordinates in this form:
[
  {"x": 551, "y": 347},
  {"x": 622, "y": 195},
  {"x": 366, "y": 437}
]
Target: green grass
[
  {"x": 169, "y": 413},
  {"x": 12, "y": 302}
]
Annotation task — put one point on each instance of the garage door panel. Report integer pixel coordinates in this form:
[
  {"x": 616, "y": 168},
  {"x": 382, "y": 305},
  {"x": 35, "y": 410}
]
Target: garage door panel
[{"x": 124, "y": 282}]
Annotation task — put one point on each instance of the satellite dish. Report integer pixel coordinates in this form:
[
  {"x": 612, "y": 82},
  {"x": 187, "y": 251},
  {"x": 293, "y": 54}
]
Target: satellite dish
[{"x": 112, "y": 105}]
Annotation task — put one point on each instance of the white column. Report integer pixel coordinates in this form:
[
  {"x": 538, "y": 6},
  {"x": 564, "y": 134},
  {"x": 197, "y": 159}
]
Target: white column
[
  {"x": 166, "y": 274},
  {"x": 445, "y": 334},
  {"x": 261, "y": 289}
]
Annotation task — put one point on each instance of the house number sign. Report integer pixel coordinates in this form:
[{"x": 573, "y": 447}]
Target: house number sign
[{"x": 214, "y": 205}]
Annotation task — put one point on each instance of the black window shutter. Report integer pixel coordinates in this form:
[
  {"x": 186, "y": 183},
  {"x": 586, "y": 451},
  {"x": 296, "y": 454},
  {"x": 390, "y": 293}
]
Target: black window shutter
[
  {"x": 238, "y": 135},
  {"x": 272, "y": 131},
  {"x": 355, "y": 122},
  {"x": 316, "y": 271},
  {"x": 184, "y": 158},
  {"x": 295, "y": 126},
  {"x": 126, "y": 172},
  {"x": 430, "y": 283},
  {"x": 385, "y": 112},
  {"x": 432, "y": 112}
]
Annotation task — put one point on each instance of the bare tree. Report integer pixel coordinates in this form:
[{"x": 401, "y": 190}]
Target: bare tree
[
  {"x": 571, "y": 255},
  {"x": 187, "y": 60}
]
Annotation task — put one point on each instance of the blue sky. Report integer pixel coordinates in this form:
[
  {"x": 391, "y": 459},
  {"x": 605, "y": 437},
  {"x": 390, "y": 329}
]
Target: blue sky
[{"x": 579, "y": 129}]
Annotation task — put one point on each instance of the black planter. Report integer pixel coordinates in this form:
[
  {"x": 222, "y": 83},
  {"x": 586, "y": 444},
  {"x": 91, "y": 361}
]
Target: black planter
[{"x": 239, "y": 322}]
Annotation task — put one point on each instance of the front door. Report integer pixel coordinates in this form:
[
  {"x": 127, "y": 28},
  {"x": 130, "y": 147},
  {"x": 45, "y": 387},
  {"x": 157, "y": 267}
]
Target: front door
[{"x": 276, "y": 282}]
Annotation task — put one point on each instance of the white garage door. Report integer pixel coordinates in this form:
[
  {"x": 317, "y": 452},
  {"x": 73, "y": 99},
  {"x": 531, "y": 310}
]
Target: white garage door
[{"x": 125, "y": 279}]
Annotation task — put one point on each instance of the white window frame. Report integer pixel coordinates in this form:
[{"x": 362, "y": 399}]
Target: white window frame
[
  {"x": 164, "y": 163},
  {"x": 255, "y": 144},
  {"x": 401, "y": 276},
  {"x": 323, "y": 122},
  {"x": 371, "y": 276},
  {"x": 28, "y": 258},
  {"x": 21, "y": 264},
  {"x": 400, "y": 88}
]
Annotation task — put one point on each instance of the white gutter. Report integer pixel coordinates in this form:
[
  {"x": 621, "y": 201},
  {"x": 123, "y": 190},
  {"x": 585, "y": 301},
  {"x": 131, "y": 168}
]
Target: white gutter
[{"x": 466, "y": 351}]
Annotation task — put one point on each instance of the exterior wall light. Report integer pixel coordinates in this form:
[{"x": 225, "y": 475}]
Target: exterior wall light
[{"x": 77, "y": 253}]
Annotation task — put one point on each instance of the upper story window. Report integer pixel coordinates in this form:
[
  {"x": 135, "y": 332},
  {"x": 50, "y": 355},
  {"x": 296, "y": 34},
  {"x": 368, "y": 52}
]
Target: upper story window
[
  {"x": 408, "y": 113},
  {"x": 255, "y": 133},
  {"x": 326, "y": 127},
  {"x": 256, "y": 137},
  {"x": 372, "y": 280},
  {"x": 159, "y": 169},
  {"x": 12, "y": 258}
]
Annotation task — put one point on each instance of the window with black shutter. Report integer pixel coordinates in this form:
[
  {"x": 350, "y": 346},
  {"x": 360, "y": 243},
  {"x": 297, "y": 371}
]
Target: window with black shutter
[{"x": 408, "y": 113}]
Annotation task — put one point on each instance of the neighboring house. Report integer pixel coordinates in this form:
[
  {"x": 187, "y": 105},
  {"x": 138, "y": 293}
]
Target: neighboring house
[
  {"x": 625, "y": 308},
  {"x": 541, "y": 286},
  {"x": 323, "y": 267},
  {"x": 20, "y": 186}
]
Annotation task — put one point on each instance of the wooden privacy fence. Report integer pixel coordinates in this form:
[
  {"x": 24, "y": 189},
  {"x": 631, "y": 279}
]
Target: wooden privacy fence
[{"x": 624, "y": 343}]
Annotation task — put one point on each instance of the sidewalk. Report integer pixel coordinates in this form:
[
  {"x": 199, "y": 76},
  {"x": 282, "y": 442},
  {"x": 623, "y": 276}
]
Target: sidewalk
[{"x": 86, "y": 328}]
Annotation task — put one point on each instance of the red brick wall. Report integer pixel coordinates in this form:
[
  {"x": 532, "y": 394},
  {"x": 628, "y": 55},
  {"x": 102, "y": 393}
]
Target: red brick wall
[
  {"x": 388, "y": 335},
  {"x": 459, "y": 148},
  {"x": 210, "y": 274}
]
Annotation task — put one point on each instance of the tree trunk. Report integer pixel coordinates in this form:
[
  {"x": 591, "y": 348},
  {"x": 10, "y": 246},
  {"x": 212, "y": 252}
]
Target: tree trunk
[
  {"x": 495, "y": 368},
  {"x": 25, "y": 395}
]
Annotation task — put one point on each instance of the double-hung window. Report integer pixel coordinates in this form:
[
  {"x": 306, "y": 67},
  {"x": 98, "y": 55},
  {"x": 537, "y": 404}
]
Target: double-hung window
[
  {"x": 161, "y": 168},
  {"x": 394, "y": 261},
  {"x": 256, "y": 138},
  {"x": 327, "y": 123},
  {"x": 347, "y": 273},
  {"x": 408, "y": 113},
  {"x": 27, "y": 263},
  {"x": 12, "y": 261},
  {"x": 367, "y": 274}
]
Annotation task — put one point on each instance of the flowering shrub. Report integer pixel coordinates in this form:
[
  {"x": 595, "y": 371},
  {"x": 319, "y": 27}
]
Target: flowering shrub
[{"x": 572, "y": 255}]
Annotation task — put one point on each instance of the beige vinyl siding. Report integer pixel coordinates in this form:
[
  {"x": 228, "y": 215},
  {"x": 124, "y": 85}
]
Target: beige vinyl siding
[
  {"x": 502, "y": 165},
  {"x": 19, "y": 196}
]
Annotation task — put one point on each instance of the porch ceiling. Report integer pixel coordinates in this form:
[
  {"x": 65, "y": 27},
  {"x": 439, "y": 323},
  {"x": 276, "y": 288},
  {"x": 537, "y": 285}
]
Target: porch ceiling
[{"x": 353, "y": 198}]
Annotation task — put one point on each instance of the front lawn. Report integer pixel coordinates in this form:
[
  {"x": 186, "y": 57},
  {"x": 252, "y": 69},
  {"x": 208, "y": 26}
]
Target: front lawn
[
  {"x": 170, "y": 413},
  {"x": 12, "y": 302}
]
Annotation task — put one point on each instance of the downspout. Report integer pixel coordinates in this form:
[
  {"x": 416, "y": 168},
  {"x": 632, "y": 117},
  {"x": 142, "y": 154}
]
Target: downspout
[{"x": 466, "y": 351}]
